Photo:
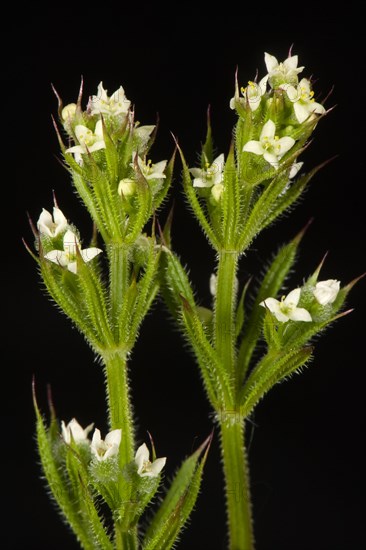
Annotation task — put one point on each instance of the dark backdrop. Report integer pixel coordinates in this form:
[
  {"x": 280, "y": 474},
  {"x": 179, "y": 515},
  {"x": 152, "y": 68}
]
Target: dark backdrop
[{"x": 306, "y": 450}]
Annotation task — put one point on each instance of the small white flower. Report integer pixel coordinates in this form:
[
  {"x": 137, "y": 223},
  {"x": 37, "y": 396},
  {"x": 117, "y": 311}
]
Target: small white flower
[
  {"x": 326, "y": 292},
  {"x": 144, "y": 467},
  {"x": 115, "y": 105},
  {"x": 74, "y": 431},
  {"x": 303, "y": 100},
  {"x": 287, "y": 309},
  {"x": 269, "y": 145},
  {"x": 150, "y": 171},
  {"x": 107, "y": 448},
  {"x": 88, "y": 141},
  {"x": 282, "y": 73},
  {"x": 52, "y": 226},
  {"x": 67, "y": 256},
  {"x": 252, "y": 94},
  {"x": 68, "y": 112},
  {"x": 211, "y": 175}
]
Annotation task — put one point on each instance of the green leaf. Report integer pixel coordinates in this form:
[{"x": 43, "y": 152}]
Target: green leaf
[
  {"x": 231, "y": 202},
  {"x": 207, "y": 148},
  {"x": 214, "y": 374},
  {"x": 174, "y": 283},
  {"x": 240, "y": 311},
  {"x": 162, "y": 193},
  {"x": 273, "y": 368},
  {"x": 196, "y": 206},
  {"x": 57, "y": 482},
  {"x": 271, "y": 284},
  {"x": 63, "y": 288},
  {"x": 178, "y": 503}
]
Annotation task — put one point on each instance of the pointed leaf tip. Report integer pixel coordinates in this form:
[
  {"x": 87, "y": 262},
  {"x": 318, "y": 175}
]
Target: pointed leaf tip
[
  {"x": 302, "y": 231},
  {"x": 352, "y": 283}
]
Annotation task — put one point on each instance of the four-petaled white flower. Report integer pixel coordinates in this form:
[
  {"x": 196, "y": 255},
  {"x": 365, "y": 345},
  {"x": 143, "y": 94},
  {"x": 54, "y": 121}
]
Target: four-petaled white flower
[
  {"x": 67, "y": 256},
  {"x": 116, "y": 105},
  {"x": 149, "y": 170},
  {"x": 282, "y": 73},
  {"x": 145, "y": 468},
  {"x": 49, "y": 226},
  {"x": 74, "y": 431},
  {"x": 103, "y": 450},
  {"x": 252, "y": 94},
  {"x": 286, "y": 309},
  {"x": 211, "y": 175},
  {"x": 88, "y": 141},
  {"x": 269, "y": 145},
  {"x": 302, "y": 98},
  {"x": 326, "y": 292}
]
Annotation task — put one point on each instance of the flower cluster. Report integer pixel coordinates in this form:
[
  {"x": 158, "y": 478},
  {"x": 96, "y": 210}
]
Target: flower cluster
[
  {"x": 325, "y": 292},
  {"x": 103, "y": 450},
  {"x": 57, "y": 226}
]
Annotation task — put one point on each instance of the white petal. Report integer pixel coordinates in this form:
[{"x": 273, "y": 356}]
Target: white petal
[
  {"x": 96, "y": 439},
  {"x": 263, "y": 84},
  {"x": 285, "y": 143},
  {"x": 114, "y": 437},
  {"x": 302, "y": 111},
  {"x": 65, "y": 431},
  {"x": 272, "y": 159},
  {"x": 81, "y": 131},
  {"x": 254, "y": 147},
  {"x": 141, "y": 456},
  {"x": 73, "y": 267},
  {"x": 293, "y": 297},
  {"x": 317, "y": 108},
  {"x": 160, "y": 166},
  {"x": 202, "y": 182},
  {"x": 45, "y": 222},
  {"x": 291, "y": 62},
  {"x": 196, "y": 172},
  {"x": 300, "y": 314},
  {"x": 70, "y": 240},
  {"x": 272, "y": 304},
  {"x": 292, "y": 92},
  {"x": 96, "y": 146},
  {"x": 268, "y": 130},
  {"x": 89, "y": 253},
  {"x": 99, "y": 129},
  {"x": 270, "y": 61},
  {"x": 58, "y": 257},
  {"x": 60, "y": 220},
  {"x": 232, "y": 103},
  {"x": 157, "y": 466},
  {"x": 76, "y": 149}
]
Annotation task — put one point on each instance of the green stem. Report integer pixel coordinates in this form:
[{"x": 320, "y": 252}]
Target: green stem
[
  {"x": 120, "y": 410},
  {"x": 225, "y": 308},
  {"x": 237, "y": 487},
  {"x": 119, "y": 280}
]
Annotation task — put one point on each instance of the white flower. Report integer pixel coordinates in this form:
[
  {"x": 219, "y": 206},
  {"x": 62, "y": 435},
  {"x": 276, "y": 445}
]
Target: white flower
[
  {"x": 51, "y": 226},
  {"x": 282, "y": 73},
  {"x": 326, "y": 292},
  {"x": 303, "y": 100},
  {"x": 210, "y": 176},
  {"x": 213, "y": 284},
  {"x": 115, "y": 105},
  {"x": 74, "y": 431},
  {"x": 107, "y": 448},
  {"x": 144, "y": 467},
  {"x": 287, "y": 309},
  {"x": 88, "y": 141},
  {"x": 67, "y": 256},
  {"x": 150, "y": 171},
  {"x": 269, "y": 145},
  {"x": 252, "y": 94}
]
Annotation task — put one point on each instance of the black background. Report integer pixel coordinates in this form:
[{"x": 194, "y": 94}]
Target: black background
[{"x": 306, "y": 450}]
